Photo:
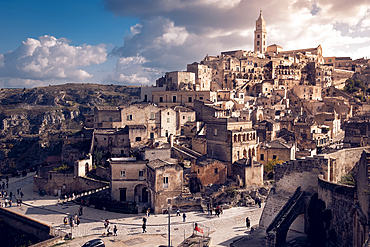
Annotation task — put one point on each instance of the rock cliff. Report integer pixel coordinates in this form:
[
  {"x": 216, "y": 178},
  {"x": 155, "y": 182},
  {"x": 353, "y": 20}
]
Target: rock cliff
[{"x": 34, "y": 122}]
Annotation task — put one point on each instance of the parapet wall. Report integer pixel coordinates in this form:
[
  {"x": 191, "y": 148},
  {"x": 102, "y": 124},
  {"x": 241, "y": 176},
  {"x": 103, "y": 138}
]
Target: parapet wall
[
  {"x": 304, "y": 173},
  {"x": 38, "y": 229},
  {"x": 66, "y": 183},
  {"x": 339, "y": 199}
]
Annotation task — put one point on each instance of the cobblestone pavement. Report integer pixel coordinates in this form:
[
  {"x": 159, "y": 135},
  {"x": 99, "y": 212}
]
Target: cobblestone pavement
[{"x": 223, "y": 230}]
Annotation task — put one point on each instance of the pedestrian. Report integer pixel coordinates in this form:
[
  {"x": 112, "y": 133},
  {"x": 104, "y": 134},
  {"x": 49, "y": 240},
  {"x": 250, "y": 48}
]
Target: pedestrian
[
  {"x": 210, "y": 210},
  {"x": 65, "y": 221},
  {"x": 115, "y": 230},
  {"x": 71, "y": 221},
  {"x": 183, "y": 217},
  {"x": 3, "y": 185},
  {"x": 18, "y": 191},
  {"x": 78, "y": 221},
  {"x": 10, "y": 203},
  {"x": 108, "y": 231},
  {"x": 80, "y": 211},
  {"x": 21, "y": 194},
  {"x": 259, "y": 202},
  {"x": 247, "y": 223},
  {"x": 178, "y": 212},
  {"x": 147, "y": 212},
  {"x": 144, "y": 227},
  {"x": 106, "y": 223},
  {"x": 144, "y": 220},
  {"x": 6, "y": 202},
  {"x": 217, "y": 211}
]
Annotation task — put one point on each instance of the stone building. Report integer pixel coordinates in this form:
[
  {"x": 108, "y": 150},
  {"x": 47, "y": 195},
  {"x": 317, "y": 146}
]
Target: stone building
[
  {"x": 277, "y": 149},
  {"x": 165, "y": 183},
  {"x": 113, "y": 141},
  {"x": 129, "y": 180},
  {"x": 177, "y": 81},
  {"x": 260, "y": 39},
  {"x": 181, "y": 98},
  {"x": 206, "y": 171},
  {"x": 203, "y": 76},
  {"x": 230, "y": 139},
  {"x": 307, "y": 92},
  {"x": 248, "y": 172}
]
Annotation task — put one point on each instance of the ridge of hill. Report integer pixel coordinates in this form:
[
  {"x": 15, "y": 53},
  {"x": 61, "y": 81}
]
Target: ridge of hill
[{"x": 34, "y": 122}]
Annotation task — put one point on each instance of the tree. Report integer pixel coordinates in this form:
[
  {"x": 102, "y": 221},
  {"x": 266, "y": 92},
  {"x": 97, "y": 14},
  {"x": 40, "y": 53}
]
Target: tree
[
  {"x": 98, "y": 157},
  {"x": 269, "y": 167}
]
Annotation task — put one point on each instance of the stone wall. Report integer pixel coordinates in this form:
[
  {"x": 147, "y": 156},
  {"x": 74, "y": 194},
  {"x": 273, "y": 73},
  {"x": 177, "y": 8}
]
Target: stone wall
[
  {"x": 36, "y": 228},
  {"x": 339, "y": 199},
  {"x": 304, "y": 173},
  {"x": 103, "y": 172},
  {"x": 60, "y": 183}
]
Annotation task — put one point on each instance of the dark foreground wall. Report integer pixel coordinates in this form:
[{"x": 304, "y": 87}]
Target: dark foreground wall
[{"x": 31, "y": 226}]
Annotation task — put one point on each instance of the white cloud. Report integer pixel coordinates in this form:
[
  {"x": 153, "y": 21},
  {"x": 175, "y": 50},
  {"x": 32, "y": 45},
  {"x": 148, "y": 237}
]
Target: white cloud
[
  {"x": 173, "y": 33},
  {"x": 49, "y": 59},
  {"x": 172, "y": 36}
]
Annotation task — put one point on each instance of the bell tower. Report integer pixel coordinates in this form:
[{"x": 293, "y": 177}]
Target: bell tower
[{"x": 260, "y": 41}]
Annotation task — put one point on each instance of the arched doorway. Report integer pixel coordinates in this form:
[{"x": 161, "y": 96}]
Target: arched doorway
[
  {"x": 145, "y": 195},
  {"x": 86, "y": 168},
  {"x": 142, "y": 194}
]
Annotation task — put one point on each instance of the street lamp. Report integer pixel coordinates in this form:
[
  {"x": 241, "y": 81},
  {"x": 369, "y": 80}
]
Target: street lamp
[{"x": 169, "y": 228}]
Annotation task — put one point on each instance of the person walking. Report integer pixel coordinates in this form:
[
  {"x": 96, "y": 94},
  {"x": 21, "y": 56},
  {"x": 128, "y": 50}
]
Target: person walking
[
  {"x": 183, "y": 217},
  {"x": 115, "y": 230},
  {"x": 65, "y": 221},
  {"x": 78, "y": 221},
  {"x": 178, "y": 212},
  {"x": 147, "y": 212},
  {"x": 247, "y": 223}
]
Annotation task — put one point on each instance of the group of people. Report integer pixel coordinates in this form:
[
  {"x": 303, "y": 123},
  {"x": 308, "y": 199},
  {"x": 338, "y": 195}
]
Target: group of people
[
  {"x": 8, "y": 198},
  {"x": 73, "y": 221},
  {"x": 107, "y": 226},
  {"x": 218, "y": 210}
]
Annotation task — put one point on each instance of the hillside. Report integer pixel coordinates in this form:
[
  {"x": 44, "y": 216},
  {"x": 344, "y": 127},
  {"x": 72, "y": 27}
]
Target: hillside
[{"x": 34, "y": 122}]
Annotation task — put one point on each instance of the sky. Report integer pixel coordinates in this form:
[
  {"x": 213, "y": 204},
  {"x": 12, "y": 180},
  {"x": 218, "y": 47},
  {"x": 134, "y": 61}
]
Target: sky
[{"x": 128, "y": 42}]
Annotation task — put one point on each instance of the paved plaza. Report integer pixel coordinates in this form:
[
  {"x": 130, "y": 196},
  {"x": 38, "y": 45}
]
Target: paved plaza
[{"x": 223, "y": 230}]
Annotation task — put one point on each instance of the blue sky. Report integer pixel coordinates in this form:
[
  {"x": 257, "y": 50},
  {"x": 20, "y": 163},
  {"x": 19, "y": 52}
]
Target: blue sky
[{"x": 133, "y": 42}]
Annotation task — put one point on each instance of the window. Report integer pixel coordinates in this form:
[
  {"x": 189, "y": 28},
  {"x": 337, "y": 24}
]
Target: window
[
  {"x": 160, "y": 99},
  {"x": 201, "y": 98},
  {"x": 216, "y": 170},
  {"x": 110, "y": 119},
  {"x": 152, "y": 116},
  {"x": 105, "y": 139},
  {"x": 151, "y": 135},
  {"x": 262, "y": 157},
  {"x": 145, "y": 97},
  {"x": 168, "y": 120},
  {"x": 258, "y": 36},
  {"x": 190, "y": 99},
  {"x": 274, "y": 157},
  {"x": 174, "y": 99},
  {"x": 141, "y": 175},
  {"x": 165, "y": 182},
  {"x": 122, "y": 152},
  {"x": 138, "y": 138},
  {"x": 189, "y": 119},
  {"x": 129, "y": 117},
  {"x": 258, "y": 43},
  {"x": 215, "y": 132},
  {"x": 123, "y": 174}
]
